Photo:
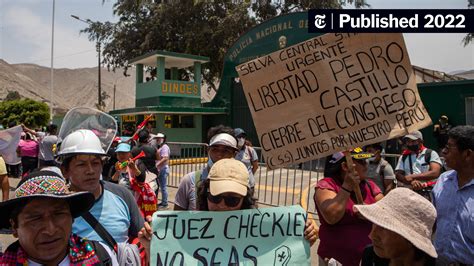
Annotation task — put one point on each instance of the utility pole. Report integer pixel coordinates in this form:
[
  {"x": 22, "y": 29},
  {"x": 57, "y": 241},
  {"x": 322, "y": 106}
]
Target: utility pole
[
  {"x": 99, "y": 86},
  {"x": 51, "y": 89},
  {"x": 115, "y": 88}
]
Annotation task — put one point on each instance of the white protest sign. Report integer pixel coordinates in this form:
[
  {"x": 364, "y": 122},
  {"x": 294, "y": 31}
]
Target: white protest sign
[
  {"x": 248, "y": 237},
  {"x": 331, "y": 93}
]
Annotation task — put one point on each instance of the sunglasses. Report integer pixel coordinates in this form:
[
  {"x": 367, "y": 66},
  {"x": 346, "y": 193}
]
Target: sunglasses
[{"x": 230, "y": 201}]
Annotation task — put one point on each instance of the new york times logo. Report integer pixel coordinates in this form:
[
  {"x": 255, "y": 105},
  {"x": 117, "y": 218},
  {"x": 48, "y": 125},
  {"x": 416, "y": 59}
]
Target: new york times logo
[
  {"x": 320, "y": 21},
  {"x": 383, "y": 20}
]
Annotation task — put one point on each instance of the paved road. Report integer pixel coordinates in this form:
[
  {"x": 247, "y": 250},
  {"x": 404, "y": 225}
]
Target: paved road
[{"x": 268, "y": 188}]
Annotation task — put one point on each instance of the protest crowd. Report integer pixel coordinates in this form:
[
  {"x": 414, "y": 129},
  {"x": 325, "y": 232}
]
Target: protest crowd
[{"x": 78, "y": 204}]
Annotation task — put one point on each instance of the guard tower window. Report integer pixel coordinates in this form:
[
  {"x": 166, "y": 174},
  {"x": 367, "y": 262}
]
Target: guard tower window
[{"x": 179, "y": 121}]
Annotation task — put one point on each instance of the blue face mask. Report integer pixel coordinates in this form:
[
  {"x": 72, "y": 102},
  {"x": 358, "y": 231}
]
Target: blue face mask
[{"x": 209, "y": 162}]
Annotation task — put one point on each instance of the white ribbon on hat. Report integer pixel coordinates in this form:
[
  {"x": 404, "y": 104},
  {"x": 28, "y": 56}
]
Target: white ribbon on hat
[
  {"x": 223, "y": 139},
  {"x": 336, "y": 157}
]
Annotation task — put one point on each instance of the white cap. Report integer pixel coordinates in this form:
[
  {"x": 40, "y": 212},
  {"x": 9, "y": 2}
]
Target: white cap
[
  {"x": 414, "y": 135},
  {"x": 224, "y": 139}
]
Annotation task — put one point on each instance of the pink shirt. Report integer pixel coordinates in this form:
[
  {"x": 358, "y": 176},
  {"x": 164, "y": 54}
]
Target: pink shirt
[
  {"x": 345, "y": 241},
  {"x": 29, "y": 148}
]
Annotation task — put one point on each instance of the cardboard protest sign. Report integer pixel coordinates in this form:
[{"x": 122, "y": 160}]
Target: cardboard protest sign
[
  {"x": 331, "y": 93},
  {"x": 249, "y": 237}
]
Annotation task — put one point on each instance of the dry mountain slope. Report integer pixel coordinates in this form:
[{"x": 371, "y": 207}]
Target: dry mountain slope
[
  {"x": 72, "y": 87},
  {"x": 13, "y": 79}
]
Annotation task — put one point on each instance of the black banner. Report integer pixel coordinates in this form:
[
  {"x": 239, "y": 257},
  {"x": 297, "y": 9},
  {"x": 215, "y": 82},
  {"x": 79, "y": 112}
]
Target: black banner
[{"x": 386, "y": 20}]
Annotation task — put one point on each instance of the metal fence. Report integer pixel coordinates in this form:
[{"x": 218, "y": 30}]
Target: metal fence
[{"x": 280, "y": 187}]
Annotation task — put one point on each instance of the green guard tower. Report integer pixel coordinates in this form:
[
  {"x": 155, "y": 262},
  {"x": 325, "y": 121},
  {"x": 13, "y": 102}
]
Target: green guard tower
[{"x": 175, "y": 104}]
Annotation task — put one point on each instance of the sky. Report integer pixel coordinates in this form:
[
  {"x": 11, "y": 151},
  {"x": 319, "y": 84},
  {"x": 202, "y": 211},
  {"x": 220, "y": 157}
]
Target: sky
[{"x": 25, "y": 33}]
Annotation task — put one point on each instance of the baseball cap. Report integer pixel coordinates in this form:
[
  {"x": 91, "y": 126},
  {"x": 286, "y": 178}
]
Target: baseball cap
[
  {"x": 224, "y": 139},
  {"x": 123, "y": 147},
  {"x": 414, "y": 135},
  {"x": 228, "y": 175},
  {"x": 239, "y": 132}
]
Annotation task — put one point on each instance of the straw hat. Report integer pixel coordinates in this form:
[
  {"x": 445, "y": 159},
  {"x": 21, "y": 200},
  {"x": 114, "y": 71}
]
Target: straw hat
[{"x": 406, "y": 213}]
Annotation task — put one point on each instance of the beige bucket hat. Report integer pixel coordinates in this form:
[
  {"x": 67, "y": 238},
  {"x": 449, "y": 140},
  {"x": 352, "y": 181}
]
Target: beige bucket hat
[{"x": 406, "y": 213}]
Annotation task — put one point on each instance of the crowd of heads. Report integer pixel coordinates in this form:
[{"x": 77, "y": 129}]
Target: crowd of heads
[{"x": 42, "y": 212}]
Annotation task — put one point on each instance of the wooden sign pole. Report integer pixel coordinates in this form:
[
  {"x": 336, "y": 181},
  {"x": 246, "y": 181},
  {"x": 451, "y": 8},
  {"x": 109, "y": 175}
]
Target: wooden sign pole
[{"x": 359, "y": 198}]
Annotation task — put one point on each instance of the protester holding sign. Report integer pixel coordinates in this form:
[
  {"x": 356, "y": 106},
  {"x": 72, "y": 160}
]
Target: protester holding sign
[
  {"x": 342, "y": 233},
  {"x": 401, "y": 231},
  {"x": 225, "y": 189}
]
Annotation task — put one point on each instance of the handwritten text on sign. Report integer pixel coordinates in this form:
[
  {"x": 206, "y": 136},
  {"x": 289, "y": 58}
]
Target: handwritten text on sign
[
  {"x": 330, "y": 93},
  {"x": 248, "y": 237}
]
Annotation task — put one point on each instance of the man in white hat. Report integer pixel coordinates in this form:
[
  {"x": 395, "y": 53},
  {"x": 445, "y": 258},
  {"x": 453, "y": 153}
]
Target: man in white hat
[
  {"x": 417, "y": 164},
  {"x": 222, "y": 144},
  {"x": 453, "y": 197}
]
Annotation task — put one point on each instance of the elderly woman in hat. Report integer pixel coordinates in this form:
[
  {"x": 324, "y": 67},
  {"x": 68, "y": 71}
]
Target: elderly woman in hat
[
  {"x": 401, "y": 231},
  {"x": 41, "y": 215},
  {"x": 342, "y": 233}
]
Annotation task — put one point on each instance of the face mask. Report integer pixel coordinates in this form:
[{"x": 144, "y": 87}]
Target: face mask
[
  {"x": 209, "y": 162},
  {"x": 413, "y": 148},
  {"x": 241, "y": 142},
  {"x": 160, "y": 142}
]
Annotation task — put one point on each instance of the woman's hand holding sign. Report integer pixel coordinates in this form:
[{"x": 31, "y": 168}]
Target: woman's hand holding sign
[
  {"x": 311, "y": 231},
  {"x": 351, "y": 178}
]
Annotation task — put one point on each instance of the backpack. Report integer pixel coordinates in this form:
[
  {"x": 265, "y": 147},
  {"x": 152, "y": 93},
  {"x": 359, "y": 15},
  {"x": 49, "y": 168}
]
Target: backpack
[
  {"x": 101, "y": 253},
  {"x": 427, "y": 158}
]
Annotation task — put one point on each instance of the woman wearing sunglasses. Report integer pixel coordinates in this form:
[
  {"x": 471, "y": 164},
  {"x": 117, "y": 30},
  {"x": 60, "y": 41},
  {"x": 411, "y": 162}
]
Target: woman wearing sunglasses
[{"x": 225, "y": 189}]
